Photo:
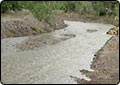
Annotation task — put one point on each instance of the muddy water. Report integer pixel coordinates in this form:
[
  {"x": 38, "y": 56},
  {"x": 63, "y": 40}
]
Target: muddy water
[{"x": 52, "y": 57}]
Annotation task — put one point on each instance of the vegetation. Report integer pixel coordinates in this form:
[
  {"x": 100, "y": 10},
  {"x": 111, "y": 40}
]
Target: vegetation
[
  {"x": 10, "y": 5},
  {"x": 44, "y": 10}
]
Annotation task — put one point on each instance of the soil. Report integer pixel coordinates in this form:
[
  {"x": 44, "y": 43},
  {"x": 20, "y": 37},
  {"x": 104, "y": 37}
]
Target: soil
[
  {"x": 16, "y": 25},
  {"x": 86, "y": 18}
]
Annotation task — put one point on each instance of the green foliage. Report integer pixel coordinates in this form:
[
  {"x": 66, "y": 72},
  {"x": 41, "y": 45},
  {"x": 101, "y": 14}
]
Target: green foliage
[
  {"x": 58, "y": 5},
  {"x": 10, "y": 5},
  {"x": 43, "y": 10},
  {"x": 70, "y": 6},
  {"x": 40, "y": 9},
  {"x": 83, "y": 7},
  {"x": 116, "y": 10}
]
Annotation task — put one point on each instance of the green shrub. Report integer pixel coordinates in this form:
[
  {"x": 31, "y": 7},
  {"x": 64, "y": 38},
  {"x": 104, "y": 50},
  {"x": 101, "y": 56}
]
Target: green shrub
[
  {"x": 39, "y": 9},
  {"x": 82, "y": 7},
  {"x": 116, "y": 10},
  {"x": 10, "y": 5},
  {"x": 70, "y": 6},
  {"x": 42, "y": 11}
]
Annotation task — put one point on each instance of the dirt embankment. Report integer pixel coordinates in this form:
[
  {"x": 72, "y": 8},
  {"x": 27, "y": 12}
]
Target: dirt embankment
[
  {"x": 23, "y": 24},
  {"x": 87, "y": 18}
]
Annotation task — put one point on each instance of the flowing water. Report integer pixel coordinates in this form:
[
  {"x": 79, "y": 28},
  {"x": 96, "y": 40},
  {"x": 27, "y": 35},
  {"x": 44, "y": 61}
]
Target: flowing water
[{"x": 52, "y": 57}]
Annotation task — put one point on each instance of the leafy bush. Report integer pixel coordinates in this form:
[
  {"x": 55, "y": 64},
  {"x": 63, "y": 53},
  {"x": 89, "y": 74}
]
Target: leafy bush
[
  {"x": 82, "y": 7},
  {"x": 42, "y": 11},
  {"x": 70, "y": 6},
  {"x": 10, "y": 5},
  {"x": 116, "y": 10}
]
